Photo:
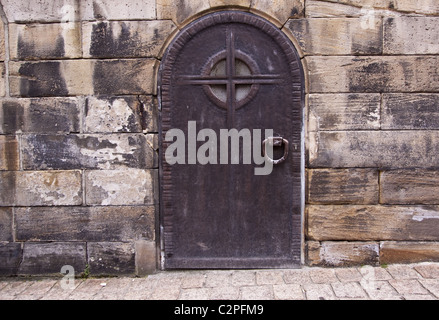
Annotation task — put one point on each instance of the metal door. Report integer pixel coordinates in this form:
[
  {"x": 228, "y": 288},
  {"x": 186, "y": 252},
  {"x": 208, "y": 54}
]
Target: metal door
[{"x": 231, "y": 70}]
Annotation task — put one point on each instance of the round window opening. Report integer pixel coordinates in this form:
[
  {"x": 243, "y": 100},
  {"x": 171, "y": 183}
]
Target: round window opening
[{"x": 230, "y": 79}]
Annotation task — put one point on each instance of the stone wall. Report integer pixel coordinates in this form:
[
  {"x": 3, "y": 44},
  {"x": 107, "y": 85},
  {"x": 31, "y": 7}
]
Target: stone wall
[{"x": 79, "y": 144}]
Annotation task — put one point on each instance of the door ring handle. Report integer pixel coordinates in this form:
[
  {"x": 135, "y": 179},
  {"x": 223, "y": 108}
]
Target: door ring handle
[{"x": 276, "y": 142}]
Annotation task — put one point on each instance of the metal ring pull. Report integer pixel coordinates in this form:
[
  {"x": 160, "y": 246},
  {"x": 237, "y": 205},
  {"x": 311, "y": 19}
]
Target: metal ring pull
[{"x": 276, "y": 142}]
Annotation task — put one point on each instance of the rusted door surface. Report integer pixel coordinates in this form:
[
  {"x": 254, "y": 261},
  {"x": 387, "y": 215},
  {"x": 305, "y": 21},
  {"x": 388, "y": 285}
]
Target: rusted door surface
[{"x": 229, "y": 70}]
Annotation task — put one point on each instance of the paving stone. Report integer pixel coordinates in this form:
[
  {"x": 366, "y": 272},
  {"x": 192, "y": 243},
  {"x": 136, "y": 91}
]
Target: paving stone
[
  {"x": 380, "y": 290},
  {"x": 321, "y": 275},
  {"x": 288, "y": 292},
  {"x": 297, "y": 276},
  {"x": 224, "y": 293},
  {"x": 348, "y": 290},
  {"x": 319, "y": 292},
  {"x": 37, "y": 290},
  {"x": 243, "y": 278},
  {"x": 194, "y": 294},
  {"x": 432, "y": 285},
  {"x": 62, "y": 289},
  {"x": 13, "y": 289},
  {"x": 428, "y": 271},
  {"x": 195, "y": 280},
  {"x": 408, "y": 287},
  {"x": 348, "y": 274},
  {"x": 256, "y": 293},
  {"x": 269, "y": 277},
  {"x": 402, "y": 272},
  {"x": 218, "y": 278}
]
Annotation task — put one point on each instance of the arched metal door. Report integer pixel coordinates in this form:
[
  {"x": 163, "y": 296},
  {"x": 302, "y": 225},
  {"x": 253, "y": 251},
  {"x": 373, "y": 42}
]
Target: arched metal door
[{"x": 231, "y": 70}]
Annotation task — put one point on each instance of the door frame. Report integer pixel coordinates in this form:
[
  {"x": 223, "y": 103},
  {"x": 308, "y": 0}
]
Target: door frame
[{"x": 304, "y": 107}]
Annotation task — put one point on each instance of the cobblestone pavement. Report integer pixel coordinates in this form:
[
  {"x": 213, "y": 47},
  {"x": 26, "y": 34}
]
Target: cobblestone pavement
[{"x": 394, "y": 282}]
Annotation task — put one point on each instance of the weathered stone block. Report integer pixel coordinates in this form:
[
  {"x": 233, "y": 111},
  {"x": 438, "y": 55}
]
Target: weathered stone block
[
  {"x": 2, "y": 43},
  {"x": 181, "y": 10},
  {"x": 110, "y": 151},
  {"x": 418, "y": 6},
  {"x": 43, "y": 115},
  {"x": 146, "y": 257},
  {"x": 413, "y": 186},
  {"x": 40, "y": 188},
  {"x": 344, "y": 112},
  {"x": 324, "y": 9},
  {"x": 411, "y": 35},
  {"x": 335, "y": 254},
  {"x": 366, "y": 223},
  {"x": 281, "y": 10},
  {"x": 45, "y": 41},
  {"x": 385, "y": 149},
  {"x": 11, "y": 255},
  {"x": 2, "y": 80},
  {"x": 117, "y": 10},
  {"x": 373, "y": 74},
  {"x": 349, "y": 186},
  {"x": 44, "y": 258},
  {"x": 85, "y": 223},
  {"x": 41, "y": 10},
  {"x": 82, "y": 77},
  {"x": 6, "y": 224},
  {"x": 121, "y": 187},
  {"x": 120, "y": 114},
  {"x": 111, "y": 258},
  {"x": 9, "y": 154},
  {"x": 119, "y": 39},
  {"x": 338, "y": 36},
  {"x": 410, "y": 111},
  {"x": 408, "y": 252}
]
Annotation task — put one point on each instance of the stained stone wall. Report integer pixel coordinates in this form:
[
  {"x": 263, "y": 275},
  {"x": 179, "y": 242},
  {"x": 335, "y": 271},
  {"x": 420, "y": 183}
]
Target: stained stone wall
[{"x": 79, "y": 123}]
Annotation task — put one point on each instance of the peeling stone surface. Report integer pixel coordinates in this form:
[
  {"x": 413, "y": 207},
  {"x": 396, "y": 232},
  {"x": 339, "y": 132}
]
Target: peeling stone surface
[
  {"x": 97, "y": 151},
  {"x": 44, "y": 188},
  {"x": 121, "y": 187}
]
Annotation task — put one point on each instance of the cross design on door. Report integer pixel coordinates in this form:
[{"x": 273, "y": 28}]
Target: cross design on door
[{"x": 231, "y": 78}]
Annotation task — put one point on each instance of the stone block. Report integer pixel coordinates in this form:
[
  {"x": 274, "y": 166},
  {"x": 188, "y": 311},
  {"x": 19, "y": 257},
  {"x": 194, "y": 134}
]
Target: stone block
[
  {"x": 42, "y": 115},
  {"x": 40, "y": 188},
  {"x": 110, "y": 258},
  {"x": 11, "y": 255},
  {"x": 324, "y": 9},
  {"x": 373, "y": 74},
  {"x": 379, "y": 149},
  {"x": 118, "y": 10},
  {"x": 348, "y": 186},
  {"x": 45, "y": 41},
  {"x": 2, "y": 79},
  {"x": 336, "y": 254},
  {"x": 411, "y": 35},
  {"x": 97, "y": 151},
  {"x": 82, "y": 77},
  {"x": 408, "y": 252},
  {"x": 100, "y": 224},
  {"x": 179, "y": 11},
  {"x": 121, "y": 187},
  {"x": 125, "y": 39},
  {"x": 418, "y": 6},
  {"x": 414, "y": 111},
  {"x": 146, "y": 257},
  {"x": 9, "y": 154},
  {"x": 41, "y": 10},
  {"x": 372, "y": 223},
  {"x": 281, "y": 10},
  {"x": 45, "y": 258},
  {"x": 2, "y": 43},
  {"x": 6, "y": 224},
  {"x": 412, "y": 186},
  {"x": 337, "y": 36},
  {"x": 120, "y": 114},
  {"x": 344, "y": 112}
]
